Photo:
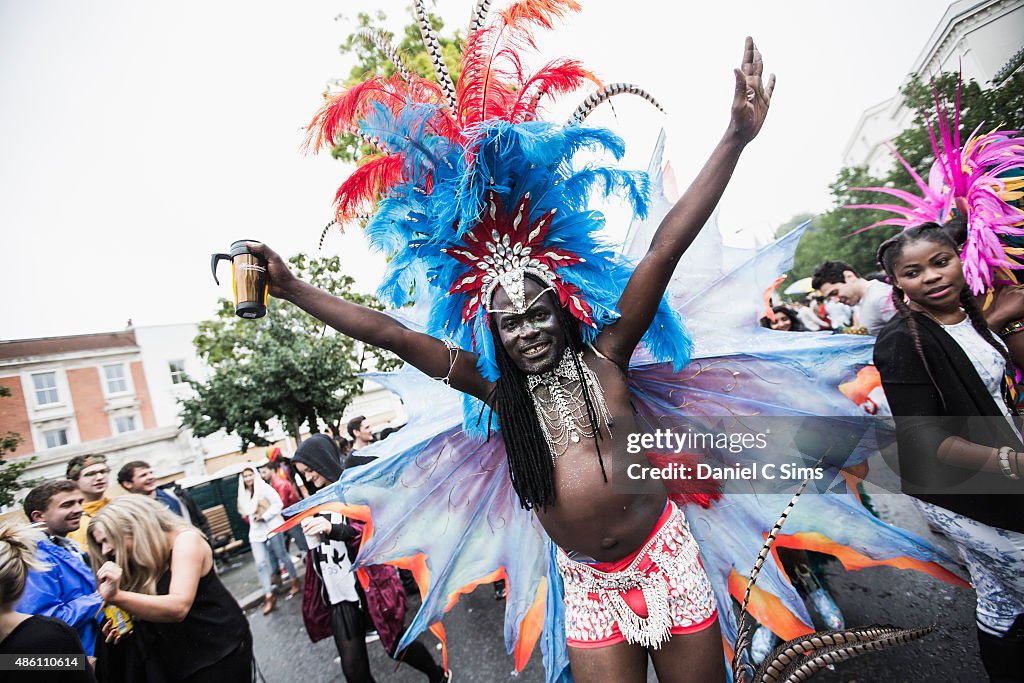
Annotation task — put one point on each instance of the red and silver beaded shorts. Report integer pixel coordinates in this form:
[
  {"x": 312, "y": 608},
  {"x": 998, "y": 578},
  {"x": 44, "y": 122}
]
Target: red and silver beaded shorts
[{"x": 645, "y": 598}]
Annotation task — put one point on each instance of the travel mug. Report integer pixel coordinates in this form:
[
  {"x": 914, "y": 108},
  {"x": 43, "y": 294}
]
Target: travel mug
[{"x": 248, "y": 279}]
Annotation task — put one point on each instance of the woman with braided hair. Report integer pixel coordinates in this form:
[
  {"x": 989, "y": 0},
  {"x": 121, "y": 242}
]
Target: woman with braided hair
[{"x": 944, "y": 372}]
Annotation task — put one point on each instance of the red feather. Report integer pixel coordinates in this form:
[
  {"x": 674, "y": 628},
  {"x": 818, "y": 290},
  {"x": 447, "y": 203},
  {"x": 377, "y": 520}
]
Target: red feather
[
  {"x": 492, "y": 74},
  {"x": 557, "y": 77},
  {"x": 342, "y": 111},
  {"x": 371, "y": 180},
  {"x": 519, "y": 15},
  {"x": 490, "y": 71}
]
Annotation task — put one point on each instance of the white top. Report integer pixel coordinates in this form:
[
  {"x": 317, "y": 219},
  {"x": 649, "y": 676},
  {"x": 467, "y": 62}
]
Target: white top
[
  {"x": 989, "y": 363},
  {"x": 811, "y": 321},
  {"x": 839, "y": 313},
  {"x": 876, "y": 308},
  {"x": 335, "y": 569},
  {"x": 270, "y": 517}
]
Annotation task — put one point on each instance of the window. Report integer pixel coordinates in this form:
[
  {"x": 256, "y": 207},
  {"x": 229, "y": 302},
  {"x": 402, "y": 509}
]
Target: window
[
  {"x": 125, "y": 423},
  {"x": 177, "y": 368},
  {"x": 117, "y": 382},
  {"x": 55, "y": 437},
  {"x": 45, "y": 384}
]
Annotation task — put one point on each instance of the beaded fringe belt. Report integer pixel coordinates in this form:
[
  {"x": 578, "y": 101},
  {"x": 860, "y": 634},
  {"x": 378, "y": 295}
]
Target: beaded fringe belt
[{"x": 673, "y": 552}]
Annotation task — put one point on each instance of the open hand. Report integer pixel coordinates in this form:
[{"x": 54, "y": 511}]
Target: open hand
[
  {"x": 752, "y": 97},
  {"x": 279, "y": 275}
]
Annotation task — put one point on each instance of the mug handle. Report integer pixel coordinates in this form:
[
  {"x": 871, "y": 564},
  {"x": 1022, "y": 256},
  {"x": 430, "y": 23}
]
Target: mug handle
[{"x": 214, "y": 258}]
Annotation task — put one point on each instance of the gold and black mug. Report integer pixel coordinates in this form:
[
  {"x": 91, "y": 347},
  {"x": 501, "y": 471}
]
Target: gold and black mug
[{"x": 248, "y": 279}]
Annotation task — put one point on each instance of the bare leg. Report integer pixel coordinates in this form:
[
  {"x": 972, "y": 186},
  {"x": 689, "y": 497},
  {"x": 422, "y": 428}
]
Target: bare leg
[
  {"x": 691, "y": 658},
  {"x": 622, "y": 663}
]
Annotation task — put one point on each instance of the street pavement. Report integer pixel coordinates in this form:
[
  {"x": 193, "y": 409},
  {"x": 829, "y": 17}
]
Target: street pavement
[
  {"x": 477, "y": 652},
  {"x": 476, "y": 648}
]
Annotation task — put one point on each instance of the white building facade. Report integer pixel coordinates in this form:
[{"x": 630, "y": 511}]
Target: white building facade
[{"x": 983, "y": 38}]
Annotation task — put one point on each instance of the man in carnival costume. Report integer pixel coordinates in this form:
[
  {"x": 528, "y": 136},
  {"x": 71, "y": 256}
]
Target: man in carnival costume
[
  {"x": 556, "y": 396},
  {"x": 535, "y": 320}
]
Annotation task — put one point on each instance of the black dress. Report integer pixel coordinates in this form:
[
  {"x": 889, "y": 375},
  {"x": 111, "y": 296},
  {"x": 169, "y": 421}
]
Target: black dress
[
  {"x": 213, "y": 643},
  {"x": 45, "y": 636}
]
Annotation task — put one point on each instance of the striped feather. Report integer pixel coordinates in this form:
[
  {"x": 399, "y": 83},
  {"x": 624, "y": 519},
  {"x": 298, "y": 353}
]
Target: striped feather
[
  {"x": 609, "y": 91},
  {"x": 798, "y": 661},
  {"x": 434, "y": 52},
  {"x": 745, "y": 630},
  {"x": 479, "y": 16},
  {"x": 380, "y": 40}
]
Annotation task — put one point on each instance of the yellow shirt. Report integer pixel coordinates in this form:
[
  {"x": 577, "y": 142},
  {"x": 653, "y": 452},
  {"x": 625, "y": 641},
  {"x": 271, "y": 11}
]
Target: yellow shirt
[{"x": 90, "y": 508}]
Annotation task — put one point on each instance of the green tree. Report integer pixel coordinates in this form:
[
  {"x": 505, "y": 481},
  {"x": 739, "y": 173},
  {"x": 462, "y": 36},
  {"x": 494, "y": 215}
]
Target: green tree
[
  {"x": 837, "y": 234},
  {"x": 286, "y": 365},
  {"x": 792, "y": 223},
  {"x": 10, "y": 471},
  {"x": 371, "y": 62}
]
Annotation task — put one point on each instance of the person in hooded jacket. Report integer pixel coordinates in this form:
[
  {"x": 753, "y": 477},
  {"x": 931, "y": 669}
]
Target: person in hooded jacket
[
  {"x": 333, "y": 541},
  {"x": 259, "y": 503}
]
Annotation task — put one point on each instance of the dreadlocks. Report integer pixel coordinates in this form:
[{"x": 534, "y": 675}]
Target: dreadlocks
[
  {"x": 949, "y": 234},
  {"x": 531, "y": 467}
]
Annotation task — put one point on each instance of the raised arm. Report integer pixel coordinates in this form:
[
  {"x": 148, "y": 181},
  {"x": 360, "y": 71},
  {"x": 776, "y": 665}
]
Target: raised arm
[
  {"x": 643, "y": 292},
  {"x": 372, "y": 327}
]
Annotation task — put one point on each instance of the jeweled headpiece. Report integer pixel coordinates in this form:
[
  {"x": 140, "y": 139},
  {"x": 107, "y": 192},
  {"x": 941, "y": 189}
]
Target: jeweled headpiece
[
  {"x": 502, "y": 250},
  {"x": 472, "y": 191},
  {"x": 976, "y": 180}
]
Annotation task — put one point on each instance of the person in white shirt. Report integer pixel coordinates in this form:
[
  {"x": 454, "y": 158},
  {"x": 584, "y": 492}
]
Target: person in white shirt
[
  {"x": 259, "y": 502},
  {"x": 873, "y": 299},
  {"x": 808, "y": 319}
]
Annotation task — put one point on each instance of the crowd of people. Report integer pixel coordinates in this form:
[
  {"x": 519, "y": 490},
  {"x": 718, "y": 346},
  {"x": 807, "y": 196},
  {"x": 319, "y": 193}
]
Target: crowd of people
[
  {"x": 132, "y": 580},
  {"x": 536, "y": 322},
  {"x": 86, "y": 563},
  {"x": 943, "y": 360},
  {"x": 130, "y": 583}
]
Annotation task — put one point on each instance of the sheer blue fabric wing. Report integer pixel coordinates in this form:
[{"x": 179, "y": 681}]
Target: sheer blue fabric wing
[{"x": 438, "y": 493}]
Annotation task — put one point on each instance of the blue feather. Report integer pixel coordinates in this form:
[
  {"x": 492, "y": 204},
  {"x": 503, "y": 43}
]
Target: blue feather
[{"x": 414, "y": 227}]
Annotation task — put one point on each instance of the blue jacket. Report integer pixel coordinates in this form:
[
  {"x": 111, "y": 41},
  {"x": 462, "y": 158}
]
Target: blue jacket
[{"x": 66, "y": 591}]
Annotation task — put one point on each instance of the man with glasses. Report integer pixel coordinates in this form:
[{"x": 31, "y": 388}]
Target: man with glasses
[{"x": 90, "y": 474}]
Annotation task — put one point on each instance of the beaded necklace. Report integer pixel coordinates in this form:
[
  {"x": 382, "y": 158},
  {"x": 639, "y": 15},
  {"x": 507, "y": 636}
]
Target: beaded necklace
[{"x": 563, "y": 415}]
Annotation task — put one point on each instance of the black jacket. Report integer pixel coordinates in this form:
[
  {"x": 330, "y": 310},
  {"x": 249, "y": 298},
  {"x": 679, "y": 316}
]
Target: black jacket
[{"x": 925, "y": 416}]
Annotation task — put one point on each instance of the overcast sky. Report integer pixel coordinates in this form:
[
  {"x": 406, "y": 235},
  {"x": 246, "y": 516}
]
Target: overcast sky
[{"x": 138, "y": 137}]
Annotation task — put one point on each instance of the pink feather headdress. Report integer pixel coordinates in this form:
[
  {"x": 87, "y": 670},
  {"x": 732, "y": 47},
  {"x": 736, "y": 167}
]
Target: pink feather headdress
[{"x": 966, "y": 180}]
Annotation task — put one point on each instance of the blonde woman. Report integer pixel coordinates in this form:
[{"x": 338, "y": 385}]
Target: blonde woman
[
  {"x": 159, "y": 568},
  {"x": 25, "y": 633},
  {"x": 259, "y": 503}
]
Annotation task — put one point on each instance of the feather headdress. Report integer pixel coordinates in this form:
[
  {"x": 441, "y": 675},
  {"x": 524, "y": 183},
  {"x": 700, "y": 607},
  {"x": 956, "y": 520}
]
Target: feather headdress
[
  {"x": 471, "y": 190},
  {"x": 976, "y": 179}
]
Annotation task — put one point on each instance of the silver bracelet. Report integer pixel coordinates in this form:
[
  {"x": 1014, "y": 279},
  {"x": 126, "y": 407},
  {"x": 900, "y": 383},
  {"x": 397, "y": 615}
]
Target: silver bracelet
[{"x": 1004, "y": 462}]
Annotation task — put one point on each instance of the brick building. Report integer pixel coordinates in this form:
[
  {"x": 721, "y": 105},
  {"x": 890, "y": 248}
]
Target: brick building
[
  {"x": 116, "y": 393},
  {"x": 84, "y": 394}
]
